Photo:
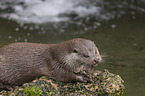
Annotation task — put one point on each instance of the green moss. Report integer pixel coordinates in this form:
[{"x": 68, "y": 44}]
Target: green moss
[
  {"x": 32, "y": 91},
  {"x": 51, "y": 93}
]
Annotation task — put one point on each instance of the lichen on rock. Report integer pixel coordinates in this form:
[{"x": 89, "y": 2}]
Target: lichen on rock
[{"x": 104, "y": 82}]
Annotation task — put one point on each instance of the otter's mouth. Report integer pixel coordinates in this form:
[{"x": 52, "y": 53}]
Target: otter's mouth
[
  {"x": 90, "y": 68},
  {"x": 95, "y": 65}
]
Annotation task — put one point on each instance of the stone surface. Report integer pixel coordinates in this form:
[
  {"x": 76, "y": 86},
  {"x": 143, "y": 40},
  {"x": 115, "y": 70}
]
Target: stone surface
[{"x": 104, "y": 82}]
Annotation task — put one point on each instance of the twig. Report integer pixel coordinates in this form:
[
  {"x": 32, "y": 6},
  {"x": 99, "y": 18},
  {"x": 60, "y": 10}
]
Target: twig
[{"x": 119, "y": 62}]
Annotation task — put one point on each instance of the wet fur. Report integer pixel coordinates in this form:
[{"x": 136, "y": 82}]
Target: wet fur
[{"x": 24, "y": 62}]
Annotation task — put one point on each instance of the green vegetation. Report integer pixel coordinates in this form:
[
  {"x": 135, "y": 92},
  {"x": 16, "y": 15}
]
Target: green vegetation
[{"x": 32, "y": 91}]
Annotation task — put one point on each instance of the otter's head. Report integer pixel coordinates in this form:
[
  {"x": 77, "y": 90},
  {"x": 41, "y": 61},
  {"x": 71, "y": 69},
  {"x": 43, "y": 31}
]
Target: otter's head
[{"x": 82, "y": 53}]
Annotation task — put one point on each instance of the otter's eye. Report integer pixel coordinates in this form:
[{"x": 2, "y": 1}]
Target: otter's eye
[
  {"x": 75, "y": 51},
  {"x": 86, "y": 56}
]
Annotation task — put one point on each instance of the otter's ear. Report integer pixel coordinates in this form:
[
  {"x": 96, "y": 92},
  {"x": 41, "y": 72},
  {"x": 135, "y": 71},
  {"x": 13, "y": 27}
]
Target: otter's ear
[{"x": 75, "y": 50}]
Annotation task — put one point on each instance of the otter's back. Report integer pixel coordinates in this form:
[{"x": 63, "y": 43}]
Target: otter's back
[{"x": 21, "y": 60}]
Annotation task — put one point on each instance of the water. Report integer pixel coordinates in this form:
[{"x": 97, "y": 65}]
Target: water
[
  {"x": 41, "y": 11},
  {"x": 116, "y": 26}
]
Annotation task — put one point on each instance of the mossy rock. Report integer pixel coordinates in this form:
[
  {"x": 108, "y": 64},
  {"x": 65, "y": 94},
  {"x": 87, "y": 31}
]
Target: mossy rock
[{"x": 103, "y": 83}]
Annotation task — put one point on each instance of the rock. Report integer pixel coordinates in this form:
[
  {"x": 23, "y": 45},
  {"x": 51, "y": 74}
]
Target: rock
[{"x": 103, "y": 83}]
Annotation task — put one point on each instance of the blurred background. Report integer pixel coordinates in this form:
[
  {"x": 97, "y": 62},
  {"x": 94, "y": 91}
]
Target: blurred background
[{"x": 116, "y": 26}]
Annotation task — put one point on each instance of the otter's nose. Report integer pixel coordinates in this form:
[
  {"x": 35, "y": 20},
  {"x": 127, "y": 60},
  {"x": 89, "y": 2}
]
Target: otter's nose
[{"x": 96, "y": 61}]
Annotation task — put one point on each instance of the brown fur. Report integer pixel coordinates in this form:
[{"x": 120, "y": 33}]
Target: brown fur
[{"x": 24, "y": 62}]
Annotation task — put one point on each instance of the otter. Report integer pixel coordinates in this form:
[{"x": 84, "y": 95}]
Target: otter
[{"x": 24, "y": 62}]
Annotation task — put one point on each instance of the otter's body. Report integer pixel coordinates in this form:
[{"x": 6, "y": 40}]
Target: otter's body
[{"x": 24, "y": 62}]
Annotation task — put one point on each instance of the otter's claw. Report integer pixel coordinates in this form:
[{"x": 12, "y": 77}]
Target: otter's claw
[{"x": 83, "y": 79}]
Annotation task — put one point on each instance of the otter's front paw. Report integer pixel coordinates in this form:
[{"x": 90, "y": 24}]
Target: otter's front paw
[
  {"x": 83, "y": 79},
  {"x": 83, "y": 73}
]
